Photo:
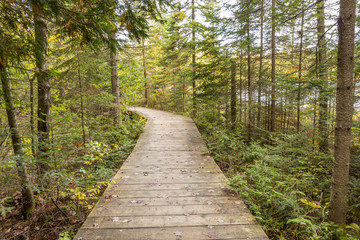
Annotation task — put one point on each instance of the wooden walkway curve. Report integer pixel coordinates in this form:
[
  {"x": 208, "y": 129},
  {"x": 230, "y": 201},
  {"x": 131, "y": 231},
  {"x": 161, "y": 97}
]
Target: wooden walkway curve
[{"x": 169, "y": 188}]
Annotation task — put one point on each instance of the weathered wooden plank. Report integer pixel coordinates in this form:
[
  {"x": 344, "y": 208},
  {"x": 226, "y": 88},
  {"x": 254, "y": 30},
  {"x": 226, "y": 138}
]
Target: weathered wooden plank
[
  {"x": 168, "y": 221},
  {"x": 140, "y": 209},
  {"x": 153, "y": 186},
  {"x": 239, "y": 232},
  {"x": 178, "y": 201}
]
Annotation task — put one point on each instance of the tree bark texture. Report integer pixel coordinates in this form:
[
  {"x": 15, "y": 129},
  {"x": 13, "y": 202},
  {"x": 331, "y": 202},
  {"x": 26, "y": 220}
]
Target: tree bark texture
[
  {"x": 43, "y": 80},
  {"x": 273, "y": 52},
  {"x": 193, "y": 55},
  {"x": 115, "y": 85},
  {"x": 322, "y": 71},
  {"x": 250, "y": 100},
  {"x": 260, "y": 64},
  {"x": 145, "y": 73},
  {"x": 81, "y": 101},
  {"x": 233, "y": 94},
  {"x": 344, "y": 112},
  {"x": 298, "y": 104},
  {"x": 26, "y": 190}
]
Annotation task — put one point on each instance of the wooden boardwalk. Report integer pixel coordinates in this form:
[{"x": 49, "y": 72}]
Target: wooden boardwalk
[{"x": 169, "y": 188}]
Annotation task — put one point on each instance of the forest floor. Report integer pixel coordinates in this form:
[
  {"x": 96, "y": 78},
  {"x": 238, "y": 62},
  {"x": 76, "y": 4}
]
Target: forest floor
[{"x": 78, "y": 183}]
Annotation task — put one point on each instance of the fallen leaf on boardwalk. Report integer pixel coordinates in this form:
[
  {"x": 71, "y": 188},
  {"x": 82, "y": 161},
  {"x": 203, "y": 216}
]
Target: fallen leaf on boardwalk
[
  {"x": 126, "y": 177},
  {"x": 209, "y": 203},
  {"x": 114, "y": 196},
  {"x": 107, "y": 196},
  {"x": 178, "y": 234},
  {"x": 210, "y": 190},
  {"x": 220, "y": 220},
  {"x": 146, "y": 173},
  {"x": 212, "y": 235},
  {"x": 139, "y": 201},
  {"x": 237, "y": 202},
  {"x": 211, "y": 227},
  {"x": 186, "y": 214},
  {"x": 126, "y": 221},
  {"x": 115, "y": 219},
  {"x": 133, "y": 201},
  {"x": 95, "y": 224}
]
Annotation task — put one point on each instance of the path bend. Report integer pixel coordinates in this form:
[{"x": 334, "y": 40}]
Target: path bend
[{"x": 169, "y": 188}]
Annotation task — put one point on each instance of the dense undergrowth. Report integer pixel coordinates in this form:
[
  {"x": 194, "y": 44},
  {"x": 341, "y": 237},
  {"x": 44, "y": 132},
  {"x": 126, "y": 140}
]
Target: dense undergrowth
[
  {"x": 286, "y": 184},
  {"x": 79, "y": 176}
]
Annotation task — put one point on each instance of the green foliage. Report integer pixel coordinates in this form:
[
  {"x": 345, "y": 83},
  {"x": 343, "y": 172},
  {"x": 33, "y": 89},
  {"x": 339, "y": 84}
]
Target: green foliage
[
  {"x": 286, "y": 185},
  {"x": 66, "y": 235}
]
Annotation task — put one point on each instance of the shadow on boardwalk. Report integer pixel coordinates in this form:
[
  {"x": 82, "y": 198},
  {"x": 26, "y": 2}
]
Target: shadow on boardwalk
[{"x": 169, "y": 188}]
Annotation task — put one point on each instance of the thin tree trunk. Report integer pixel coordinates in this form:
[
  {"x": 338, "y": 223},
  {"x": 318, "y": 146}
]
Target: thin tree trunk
[
  {"x": 233, "y": 94},
  {"x": 174, "y": 88},
  {"x": 183, "y": 95},
  {"x": 281, "y": 114},
  {"x": 344, "y": 112},
  {"x": 32, "y": 121},
  {"x": 314, "y": 117},
  {"x": 285, "y": 111},
  {"x": 260, "y": 64},
  {"x": 145, "y": 73},
  {"x": 193, "y": 56},
  {"x": 298, "y": 105},
  {"x": 115, "y": 84},
  {"x": 43, "y": 93},
  {"x": 273, "y": 52},
  {"x": 266, "y": 115},
  {"x": 26, "y": 191},
  {"x": 250, "y": 121},
  {"x": 323, "y": 96},
  {"x": 81, "y": 101},
  {"x": 240, "y": 88}
]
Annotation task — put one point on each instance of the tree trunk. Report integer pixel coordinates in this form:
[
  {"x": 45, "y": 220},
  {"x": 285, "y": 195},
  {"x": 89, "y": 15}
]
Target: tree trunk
[
  {"x": 272, "y": 117},
  {"x": 145, "y": 72},
  {"x": 322, "y": 71},
  {"x": 32, "y": 121},
  {"x": 193, "y": 55},
  {"x": 314, "y": 118},
  {"x": 233, "y": 94},
  {"x": 43, "y": 93},
  {"x": 250, "y": 120},
  {"x": 115, "y": 84},
  {"x": 298, "y": 105},
  {"x": 26, "y": 191},
  {"x": 240, "y": 88},
  {"x": 81, "y": 101},
  {"x": 344, "y": 112},
  {"x": 260, "y": 64}
]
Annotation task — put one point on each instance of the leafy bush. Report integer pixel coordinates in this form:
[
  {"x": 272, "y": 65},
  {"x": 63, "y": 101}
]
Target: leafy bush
[{"x": 286, "y": 185}]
